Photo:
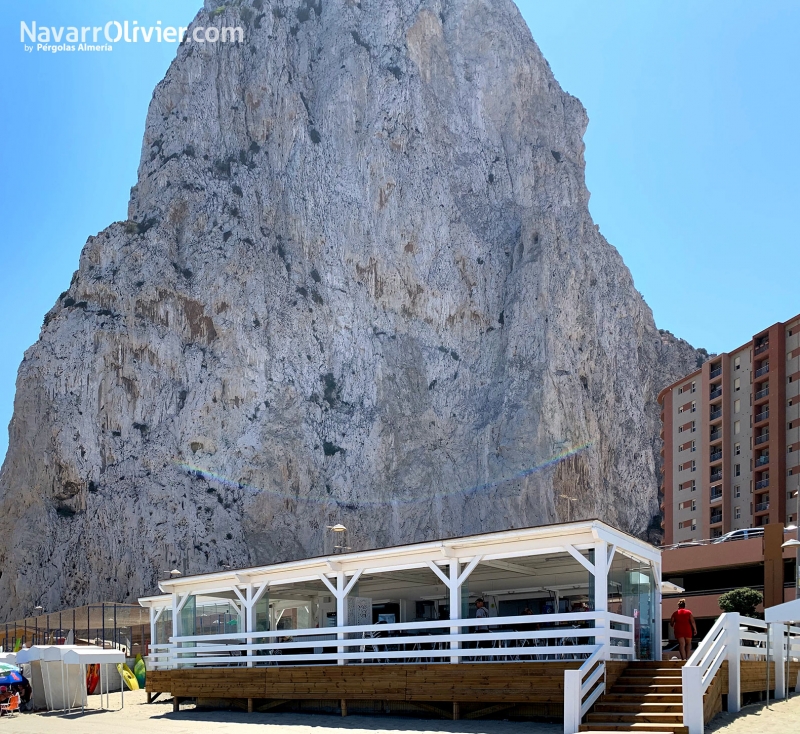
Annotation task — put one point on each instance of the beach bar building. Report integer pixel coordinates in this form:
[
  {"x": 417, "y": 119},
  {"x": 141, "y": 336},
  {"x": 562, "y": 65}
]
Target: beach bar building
[{"x": 398, "y": 629}]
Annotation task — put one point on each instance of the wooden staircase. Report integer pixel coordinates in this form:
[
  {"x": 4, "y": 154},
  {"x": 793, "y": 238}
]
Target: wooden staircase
[{"x": 645, "y": 698}]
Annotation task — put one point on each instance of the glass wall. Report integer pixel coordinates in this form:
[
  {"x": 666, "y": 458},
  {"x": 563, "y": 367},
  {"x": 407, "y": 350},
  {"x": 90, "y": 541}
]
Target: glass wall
[{"x": 632, "y": 592}]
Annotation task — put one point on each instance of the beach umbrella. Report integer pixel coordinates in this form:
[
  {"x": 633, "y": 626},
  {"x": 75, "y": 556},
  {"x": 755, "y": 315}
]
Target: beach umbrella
[{"x": 9, "y": 675}]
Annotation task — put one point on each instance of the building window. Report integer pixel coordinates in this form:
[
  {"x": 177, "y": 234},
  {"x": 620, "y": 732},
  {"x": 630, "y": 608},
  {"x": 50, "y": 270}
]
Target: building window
[
  {"x": 694, "y": 406},
  {"x": 737, "y": 513},
  {"x": 737, "y": 449},
  {"x": 737, "y": 490},
  {"x": 694, "y": 386},
  {"x": 737, "y": 406},
  {"x": 694, "y": 428},
  {"x": 737, "y": 384},
  {"x": 737, "y": 363},
  {"x": 737, "y": 470},
  {"x": 694, "y": 505},
  {"x": 737, "y": 427},
  {"x": 693, "y": 446}
]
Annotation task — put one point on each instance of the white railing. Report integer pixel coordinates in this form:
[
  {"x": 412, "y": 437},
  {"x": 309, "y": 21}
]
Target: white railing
[
  {"x": 720, "y": 644},
  {"x": 582, "y": 688},
  {"x": 573, "y": 636}
]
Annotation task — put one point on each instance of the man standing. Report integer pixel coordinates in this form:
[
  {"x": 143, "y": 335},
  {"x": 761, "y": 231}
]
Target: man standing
[
  {"x": 482, "y": 613},
  {"x": 682, "y": 621}
]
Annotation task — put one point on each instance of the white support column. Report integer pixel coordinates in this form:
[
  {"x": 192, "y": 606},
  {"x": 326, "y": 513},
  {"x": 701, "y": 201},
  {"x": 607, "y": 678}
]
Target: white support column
[
  {"x": 455, "y": 605},
  {"x": 572, "y": 701},
  {"x": 779, "y": 656},
  {"x": 152, "y": 627},
  {"x": 734, "y": 657},
  {"x": 341, "y": 612},
  {"x": 601, "y": 597},
  {"x": 175, "y": 610},
  {"x": 692, "y": 686},
  {"x": 248, "y": 620}
]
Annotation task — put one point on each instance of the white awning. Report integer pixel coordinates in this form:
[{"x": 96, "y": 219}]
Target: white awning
[
  {"x": 787, "y": 612},
  {"x": 90, "y": 655},
  {"x": 667, "y": 587},
  {"x": 49, "y": 653}
]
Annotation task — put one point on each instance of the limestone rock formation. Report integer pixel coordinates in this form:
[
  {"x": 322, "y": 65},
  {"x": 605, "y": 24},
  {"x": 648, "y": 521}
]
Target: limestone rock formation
[{"x": 359, "y": 283}]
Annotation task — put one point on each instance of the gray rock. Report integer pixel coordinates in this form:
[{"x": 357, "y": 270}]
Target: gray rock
[{"x": 359, "y": 283}]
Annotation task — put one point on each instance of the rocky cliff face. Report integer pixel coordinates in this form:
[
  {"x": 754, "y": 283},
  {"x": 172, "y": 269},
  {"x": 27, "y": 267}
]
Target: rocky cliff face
[{"x": 359, "y": 283}]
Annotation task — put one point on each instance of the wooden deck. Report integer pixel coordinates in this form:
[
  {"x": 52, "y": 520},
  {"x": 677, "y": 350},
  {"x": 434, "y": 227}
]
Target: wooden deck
[{"x": 472, "y": 688}]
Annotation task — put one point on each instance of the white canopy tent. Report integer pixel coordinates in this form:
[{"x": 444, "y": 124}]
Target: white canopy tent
[
  {"x": 58, "y": 673},
  {"x": 83, "y": 656},
  {"x": 788, "y": 612}
]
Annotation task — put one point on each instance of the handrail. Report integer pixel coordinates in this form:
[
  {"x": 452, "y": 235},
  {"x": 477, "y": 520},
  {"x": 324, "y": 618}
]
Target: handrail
[
  {"x": 582, "y": 687},
  {"x": 721, "y": 643},
  {"x": 445, "y": 640}
]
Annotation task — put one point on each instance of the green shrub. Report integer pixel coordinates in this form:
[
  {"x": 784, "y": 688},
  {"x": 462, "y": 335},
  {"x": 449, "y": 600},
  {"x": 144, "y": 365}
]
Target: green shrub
[{"x": 744, "y": 601}]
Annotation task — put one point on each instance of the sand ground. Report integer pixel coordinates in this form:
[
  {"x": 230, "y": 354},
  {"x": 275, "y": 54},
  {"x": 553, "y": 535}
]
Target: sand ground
[{"x": 157, "y": 718}]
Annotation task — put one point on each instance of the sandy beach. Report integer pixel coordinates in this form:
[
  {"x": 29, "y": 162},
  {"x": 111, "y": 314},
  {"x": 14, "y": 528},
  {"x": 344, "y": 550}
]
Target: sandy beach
[{"x": 780, "y": 718}]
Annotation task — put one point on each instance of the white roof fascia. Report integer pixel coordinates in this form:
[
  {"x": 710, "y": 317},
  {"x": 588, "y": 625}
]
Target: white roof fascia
[
  {"x": 90, "y": 655},
  {"x": 638, "y": 549},
  {"x": 503, "y": 543}
]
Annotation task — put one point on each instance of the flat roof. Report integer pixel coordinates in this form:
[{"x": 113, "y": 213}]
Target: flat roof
[{"x": 582, "y": 532}]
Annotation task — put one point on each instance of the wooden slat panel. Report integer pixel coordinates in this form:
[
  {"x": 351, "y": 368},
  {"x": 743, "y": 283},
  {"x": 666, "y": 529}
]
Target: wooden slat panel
[
  {"x": 350, "y": 681},
  {"x": 491, "y": 683},
  {"x": 219, "y": 682},
  {"x": 495, "y": 683}
]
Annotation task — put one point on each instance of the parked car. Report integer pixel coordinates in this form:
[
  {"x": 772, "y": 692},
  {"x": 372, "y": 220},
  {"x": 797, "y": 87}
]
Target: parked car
[{"x": 740, "y": 534}]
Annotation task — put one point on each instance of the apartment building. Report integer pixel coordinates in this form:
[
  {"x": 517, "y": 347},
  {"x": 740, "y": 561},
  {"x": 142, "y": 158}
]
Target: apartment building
[{"x": 731, "y": 434}]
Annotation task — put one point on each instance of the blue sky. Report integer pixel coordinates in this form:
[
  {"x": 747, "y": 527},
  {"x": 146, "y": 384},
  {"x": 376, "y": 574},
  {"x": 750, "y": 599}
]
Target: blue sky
[{"x": 691, "y": 152}]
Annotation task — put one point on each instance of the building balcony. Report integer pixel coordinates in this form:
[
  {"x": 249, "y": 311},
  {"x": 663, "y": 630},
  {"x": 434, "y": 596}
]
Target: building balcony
[
  {"x": 762, "y": 393},
  {"x": 715, "y": 393},
  {"x": 716, "y": 476},
  {"x": 762, "y": 370},
  {"x": 764, "y": 415},
  {"x": 763, "y": 438},
  {"x": 761, "y": 348},
  {"x": 762, "y": 483},
  {"x": 761, "y": 460},
  {"x": 714, "y": 414},
  {"x": 716, "y": 494},
  {"x": 716, "y": 372},
  {"x": 762, "y": 506},
  {"x": 716, "y": 517},
  {"x": 715, "y": 456},
  {"x": 716, "y": 434}
]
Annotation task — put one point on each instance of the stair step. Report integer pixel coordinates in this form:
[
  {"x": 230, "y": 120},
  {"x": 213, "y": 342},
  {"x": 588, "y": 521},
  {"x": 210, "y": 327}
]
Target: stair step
[
  {"x": 656, "y": 664},
  {"x": 659, "y": 689},
  {"x": 610, "y": 726},
  {"x": 642, "y": 697},
  {"x": 633, "y": 718},
  {"x": 639, "y": 707}
]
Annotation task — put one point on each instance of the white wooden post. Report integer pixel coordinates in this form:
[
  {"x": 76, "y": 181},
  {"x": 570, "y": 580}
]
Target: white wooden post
[
  {"x": 601, "y": 599},
  {"x": 152, "y": 627},
  {"x": 175, "y": 611},
  {"x": 455, "y": 605},
  {"x": 779, "y": 656},
  {"x": 692, "y": 688},
  {"x": 572, "y": 701},
  {"x": 734, "y": 658},
  {"x": 341, "y": 611}
]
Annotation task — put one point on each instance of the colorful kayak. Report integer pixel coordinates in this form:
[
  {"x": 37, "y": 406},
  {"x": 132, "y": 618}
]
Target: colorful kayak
[
  {"x": 92, "y": 677},
  {"x": 128, "y": 676},
  {"x": 139, "y": 670}
]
